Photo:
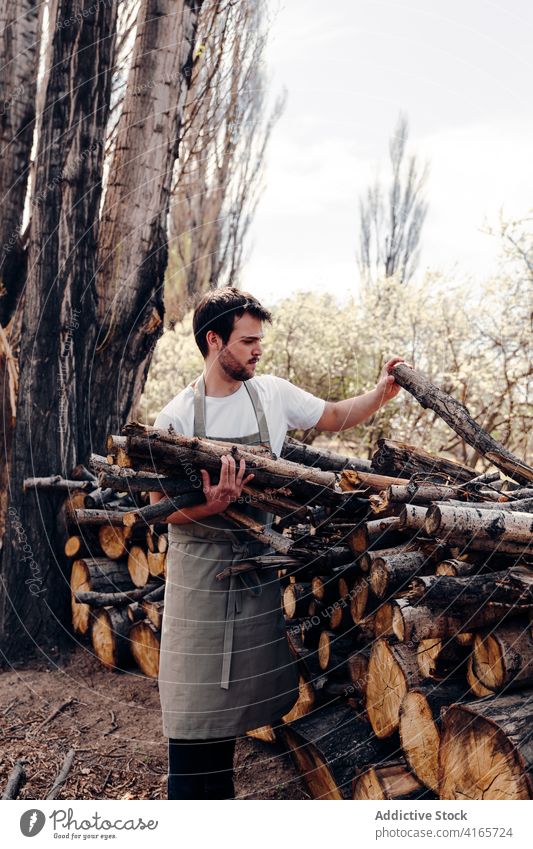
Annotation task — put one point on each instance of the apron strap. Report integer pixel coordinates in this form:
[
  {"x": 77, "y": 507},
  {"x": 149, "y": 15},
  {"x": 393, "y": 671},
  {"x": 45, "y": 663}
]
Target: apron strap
[
  {"x": 199, "y": 411},
  {"x": 259, "y": 413}
]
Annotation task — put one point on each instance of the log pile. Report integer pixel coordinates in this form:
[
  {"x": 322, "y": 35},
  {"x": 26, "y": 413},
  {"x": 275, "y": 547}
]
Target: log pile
[{"x": 406, "y": 583}]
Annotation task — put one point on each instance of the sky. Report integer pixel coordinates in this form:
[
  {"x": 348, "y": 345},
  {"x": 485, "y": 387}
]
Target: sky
[{"x": 461, "y": 71}]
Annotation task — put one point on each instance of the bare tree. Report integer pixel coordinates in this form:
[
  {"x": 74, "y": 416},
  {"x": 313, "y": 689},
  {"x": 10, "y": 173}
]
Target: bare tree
[
  {"x": 391, "y": 221},
  {"x": 58, "y": 321},
  {"x": 19, "y": 34},
  {"x": 133, "y": 244},
  {"x": 224, "y": 138}
]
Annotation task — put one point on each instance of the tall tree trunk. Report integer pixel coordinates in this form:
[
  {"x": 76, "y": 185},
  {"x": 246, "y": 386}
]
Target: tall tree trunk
[
  {"x": 58, "y": 324},
  {"x": 133, "y": 250},
  {"x": 19, "y": 33}
]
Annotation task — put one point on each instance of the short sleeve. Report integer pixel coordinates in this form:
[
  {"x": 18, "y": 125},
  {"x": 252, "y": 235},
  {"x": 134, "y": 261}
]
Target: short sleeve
[
  {"x": 163, "y": 420},
  {"x": 301, "y": 408}
]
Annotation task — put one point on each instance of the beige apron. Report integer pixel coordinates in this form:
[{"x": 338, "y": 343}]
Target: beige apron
[{"x": 225, "y": 663}]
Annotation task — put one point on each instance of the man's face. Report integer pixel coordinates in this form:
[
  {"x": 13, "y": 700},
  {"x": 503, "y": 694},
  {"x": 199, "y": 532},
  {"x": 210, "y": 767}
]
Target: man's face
[{"x": 239, "y": 357}]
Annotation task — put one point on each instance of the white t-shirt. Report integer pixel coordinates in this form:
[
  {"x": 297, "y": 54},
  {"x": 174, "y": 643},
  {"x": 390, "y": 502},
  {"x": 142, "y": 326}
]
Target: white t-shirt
[{"x": 286, "y": 406}]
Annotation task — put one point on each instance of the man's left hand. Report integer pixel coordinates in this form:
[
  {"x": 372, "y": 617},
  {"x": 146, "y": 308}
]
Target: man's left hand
[{"x": 386, "y": 387}]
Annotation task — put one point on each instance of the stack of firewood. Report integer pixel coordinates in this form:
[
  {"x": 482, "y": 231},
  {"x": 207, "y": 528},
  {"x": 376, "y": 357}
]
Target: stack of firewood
[{"x": 406, "y": 582}]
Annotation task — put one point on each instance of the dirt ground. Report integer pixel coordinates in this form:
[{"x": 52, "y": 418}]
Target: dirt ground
[{"x": 113, "y": 722}]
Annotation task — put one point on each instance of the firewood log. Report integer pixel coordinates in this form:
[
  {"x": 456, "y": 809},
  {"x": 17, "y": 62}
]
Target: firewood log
[
  {"x": 470, "y": 545},
  {"x": 416, "y": 623},
  {"x": 382, "y": 618},
  {"x": 485, "y": 751},
  {"x": 114, "y": 540},
  {"x": 391, "y": 573},
  {"x": 322, "y": 458},
  {"x": 145, "y": 639},
  {"x": 110, "y": 637},
  {"x": 296, "y": 599},
  {"x": 442, "y": 659},
  {"x": 138, "y": 566},
  {"x": 524, "y": 505},
  {"x": 82, "y": 473},
  {"x": 154, "y": 612},
  {"x": 367, "y": 557},
  {"x": 378, "y": 533},
  {"x": 340, "y": 618},
  {"x": 387, "y": 781},
  {"x": 502, "y": 525},
  {"x": 412, "y": 493},
  {"x": 80, "y": 517},
  {"x": 359, "y": 602},
  {"x": 157, "y": 563},
  {"x": 160, "y": 511},
  {"x": 305, "y": 702},
  {"x": 99, "y": 497},
  {"x": 368, "y": 482},
  {"x": 83, "y": 545},
  {"x": 398, "y": 458},
  {"x": 94, "y": 599},
  {"x": 476, "y": 687},
  {"x": 96, "y": 575},
  {"x": 324, "y": 588},
  {"x": 412, "y": 517},
  {"x": 327, "y": 747},
  {"x": 58, "y": 484},
  {"x": 458, "y": 568},
  {"x": 392, "y": 671},
  {"x": 513, "y": 587},
  {"x": 346, "y": 577},
  {"x": 503, "y": 656},
  {"x": 333, "y": 651},
  {"x": 420, "y": 725},
  {"x": 358, "y": 669}
]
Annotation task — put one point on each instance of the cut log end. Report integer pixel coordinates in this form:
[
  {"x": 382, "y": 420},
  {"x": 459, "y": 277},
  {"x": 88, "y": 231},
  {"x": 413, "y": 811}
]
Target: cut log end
[{"x": 478, "y": 760}]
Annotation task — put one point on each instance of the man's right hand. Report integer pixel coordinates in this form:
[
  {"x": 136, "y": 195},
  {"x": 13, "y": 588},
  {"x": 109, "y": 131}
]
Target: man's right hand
[{"x": 229, "y": 487}]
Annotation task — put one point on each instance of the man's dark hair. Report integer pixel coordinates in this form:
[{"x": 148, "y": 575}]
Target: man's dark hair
[{"x": 217, "y": 310}]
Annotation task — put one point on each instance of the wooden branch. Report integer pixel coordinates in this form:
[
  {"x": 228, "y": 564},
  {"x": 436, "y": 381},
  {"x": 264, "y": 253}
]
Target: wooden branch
[
  {"x": 56, "y": 482},
  {"x": 392, "y": 458},
  {"x": 322, "y": 458},
  {"x": 504, "y": 525},
  {"x": 459, "y": 419},
  {"x": 62, "y": 775},
  {"x": 16, "y": 778},
  {"x": 119, "y": 599},
  {"x": 164, "y": 508},
  {"x": 512, "y": 587}
]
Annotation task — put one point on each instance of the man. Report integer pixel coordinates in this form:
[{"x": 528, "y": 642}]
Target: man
[{"x": 225, "y": 664}]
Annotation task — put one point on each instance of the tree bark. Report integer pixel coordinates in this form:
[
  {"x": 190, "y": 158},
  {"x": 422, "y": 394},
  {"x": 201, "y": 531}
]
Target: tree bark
[
  {"x": 330, "y": 461},
  {"x": 133, "y": 250},
  {"x": 59, "y": 320},
  {"x": 398, "y": 458},
  {"x": 20, "y": 23}
]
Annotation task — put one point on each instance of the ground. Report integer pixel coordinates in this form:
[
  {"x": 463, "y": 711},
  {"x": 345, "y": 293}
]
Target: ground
[{"x": 113, "y": 722}]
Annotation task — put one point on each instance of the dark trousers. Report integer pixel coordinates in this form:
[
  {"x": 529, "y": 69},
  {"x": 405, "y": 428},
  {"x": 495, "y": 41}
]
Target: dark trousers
[{"x": 201, "y": 769}]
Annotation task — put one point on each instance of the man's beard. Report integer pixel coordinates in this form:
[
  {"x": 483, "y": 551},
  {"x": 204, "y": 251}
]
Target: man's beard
[{"x": 232, "y": 367}]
